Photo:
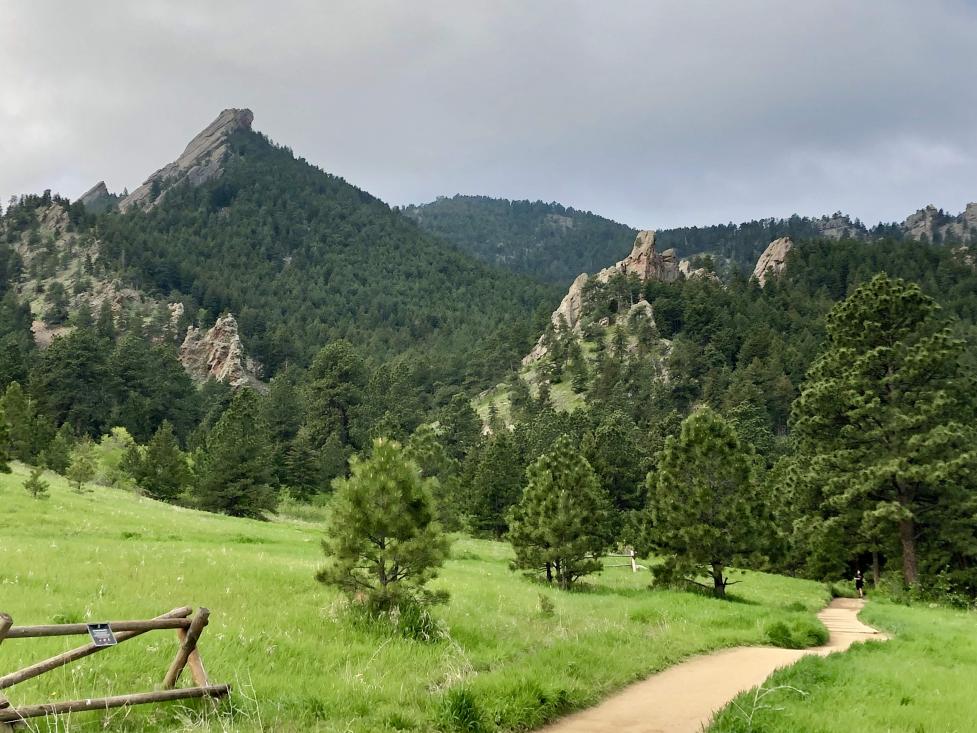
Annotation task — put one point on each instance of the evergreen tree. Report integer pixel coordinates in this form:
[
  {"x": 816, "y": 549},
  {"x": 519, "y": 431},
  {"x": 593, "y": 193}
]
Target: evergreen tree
[
  {"x": 28, "y": 430},
  {"x": 57, "y": 454},
  {"x": 885, "y": 422},
  {"x": 162, "y": 471},
  {"x": 496, "y": 484},
  {"x": 461, "y": 426},
  {"x": 6, "y": 445},
  {"x": 704, "y": 510},
  {"x": 614, "y": 451},
  {"x": 562, "y": 524},
  {"x": 36, "y": 486},
  {"x": 83, "y": 464},
  {"x": 235, "y": 472},
  {"x": 383, "y": 542},
  {"x": 426, "y": 450},
  {"x": 303, "y": 471}
]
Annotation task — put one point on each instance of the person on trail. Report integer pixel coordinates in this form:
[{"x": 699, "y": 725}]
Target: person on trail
[{"x": 859, "y": 583}]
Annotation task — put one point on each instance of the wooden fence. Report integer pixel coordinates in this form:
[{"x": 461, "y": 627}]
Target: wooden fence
[{"x": 105, "y": 636}]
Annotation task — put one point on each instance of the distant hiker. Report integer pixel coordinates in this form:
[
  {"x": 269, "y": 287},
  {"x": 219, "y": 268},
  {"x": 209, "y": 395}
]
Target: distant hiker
[{"x": 859, "y": 583}]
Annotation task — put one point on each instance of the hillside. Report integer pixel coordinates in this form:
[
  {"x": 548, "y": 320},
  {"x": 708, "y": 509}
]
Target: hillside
[
  {"x": 298, "y": 660},
  {"x": 555, "y": 244},
  {"x": 546, "y": 241},
  {"x": 299, "y": 256}
]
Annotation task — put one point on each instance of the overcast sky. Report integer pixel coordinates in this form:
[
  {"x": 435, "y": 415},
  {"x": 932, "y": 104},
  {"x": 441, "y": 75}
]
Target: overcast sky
[{"x": 652, "y": 113}]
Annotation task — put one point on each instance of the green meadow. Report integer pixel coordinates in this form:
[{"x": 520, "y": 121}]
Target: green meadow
[{"x": 504, "y": 654}]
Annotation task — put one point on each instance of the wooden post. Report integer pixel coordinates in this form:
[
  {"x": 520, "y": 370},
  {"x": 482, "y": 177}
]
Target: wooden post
[
  {"x": 60, "y": 660},
  {"x": 5, "y": 623},
  {"x": 187, "y": 648},
  {"x": 634, "y": 564}
]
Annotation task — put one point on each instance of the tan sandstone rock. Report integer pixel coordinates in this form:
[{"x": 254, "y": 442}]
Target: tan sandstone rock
[
  {"x": 219, "y": 354},
  {"x": 773, "y": 260}
]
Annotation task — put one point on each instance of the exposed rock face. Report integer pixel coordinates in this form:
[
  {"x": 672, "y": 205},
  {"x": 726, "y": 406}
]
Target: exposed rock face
[
  {"x": 643, "y": 261},
  {"x": 934, "y": 225},
  {"x": 219, "y": 354},
  {"x": 773, "y": 260},
  {"x": 200, "y": 162},
  {"x": 696, "y": 273},
  {"x": 839, "y": 226},
  {"x": 98, "y": 199}
]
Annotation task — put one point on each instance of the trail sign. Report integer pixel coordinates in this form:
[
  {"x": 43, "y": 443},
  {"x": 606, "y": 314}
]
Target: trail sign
[{"x": 102, "y": 635}]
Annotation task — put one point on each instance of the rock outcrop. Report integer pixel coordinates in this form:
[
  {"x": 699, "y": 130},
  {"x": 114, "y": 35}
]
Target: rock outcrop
[
  {"x": 930, "y": 224},
  {"x": 219, "y": 354},
  {"x": 643, "y": 261},
  {"x": 200, "y": 162},
  {"x": 773, "y": 260},
  {"x": 97, "y": 199}
]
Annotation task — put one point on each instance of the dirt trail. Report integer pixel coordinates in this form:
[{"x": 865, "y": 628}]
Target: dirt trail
[{"x": 683, "y": 698}]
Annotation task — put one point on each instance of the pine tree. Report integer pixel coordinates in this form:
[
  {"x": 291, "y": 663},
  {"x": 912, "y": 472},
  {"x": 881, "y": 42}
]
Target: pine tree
[
  {"x": 885, "y": 423},
  {"x": 460, "y": 427},
  {"x": 6, "y": 446},
  {"x": 383, "y": 543},
  {"x": 303, "y": 472},
  {"x": 83, "y": 464},
  {"x": 496, "y": 484},
  {"x": 35, "y": 485},
  {"x": 57, "y": 454},
  {"x": 235, "y": 470},
  {"x": 162, "y": 471},
  {"x": 426, "y": 450},
  {"x": 561, "y": 526},
  {"x": 27, "y": 428},
  {"x": 704, "y": 509}
]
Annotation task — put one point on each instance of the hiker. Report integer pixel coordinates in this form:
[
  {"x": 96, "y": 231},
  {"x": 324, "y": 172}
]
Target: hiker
[{"x": 859, "y": 583}]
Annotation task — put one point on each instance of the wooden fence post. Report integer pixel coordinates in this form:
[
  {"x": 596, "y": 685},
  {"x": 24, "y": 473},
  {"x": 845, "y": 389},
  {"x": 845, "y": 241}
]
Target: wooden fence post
[
  {"x": 188, "y": 647},
  {"x": 5, "y": 623}
]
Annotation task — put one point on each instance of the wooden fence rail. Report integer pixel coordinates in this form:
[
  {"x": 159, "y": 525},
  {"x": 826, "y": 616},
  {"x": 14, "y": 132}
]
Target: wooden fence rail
[{"x": 188, "y": 633}]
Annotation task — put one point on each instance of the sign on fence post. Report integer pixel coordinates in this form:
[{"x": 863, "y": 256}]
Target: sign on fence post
[{"x": 102, "y": 635}]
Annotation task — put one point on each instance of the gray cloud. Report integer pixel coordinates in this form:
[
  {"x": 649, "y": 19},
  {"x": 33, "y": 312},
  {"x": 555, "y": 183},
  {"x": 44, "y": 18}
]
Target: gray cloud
[{"x": 653, "y": 113}]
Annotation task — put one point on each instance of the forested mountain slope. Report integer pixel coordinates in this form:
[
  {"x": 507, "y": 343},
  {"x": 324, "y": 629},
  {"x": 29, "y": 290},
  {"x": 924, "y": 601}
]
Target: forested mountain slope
[
  {"x": 555, "y": 244},
  {"x": 546, "y": 241}
]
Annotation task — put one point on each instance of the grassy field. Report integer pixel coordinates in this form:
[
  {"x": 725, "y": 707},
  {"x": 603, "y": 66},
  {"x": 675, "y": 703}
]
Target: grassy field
[
  {"x": 921, "y": 681},
  {"x": 296, "y": 657}
]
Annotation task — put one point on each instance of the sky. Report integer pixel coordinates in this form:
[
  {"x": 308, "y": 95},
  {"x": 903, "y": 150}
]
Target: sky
[{"x": 656, "y": 114}]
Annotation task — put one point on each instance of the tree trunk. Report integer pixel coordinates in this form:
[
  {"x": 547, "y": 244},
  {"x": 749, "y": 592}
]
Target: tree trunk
[
  {"x": 718, "y": 582},
  {"x": 907, "y": 538},
  {"x": 549, "y": 572},
  {"x": 876, "y": 572}
]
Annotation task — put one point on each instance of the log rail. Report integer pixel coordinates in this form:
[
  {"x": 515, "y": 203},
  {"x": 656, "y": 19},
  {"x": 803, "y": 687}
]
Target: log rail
[{"x": 188, "y": 633}]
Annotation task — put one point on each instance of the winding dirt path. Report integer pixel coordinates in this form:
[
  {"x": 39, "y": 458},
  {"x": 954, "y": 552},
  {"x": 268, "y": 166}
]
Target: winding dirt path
[{"x": 682, "y": 699}]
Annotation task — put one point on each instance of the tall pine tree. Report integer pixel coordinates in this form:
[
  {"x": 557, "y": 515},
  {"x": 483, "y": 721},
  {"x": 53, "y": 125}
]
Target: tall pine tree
[
  {"x": 561, "y": 527},
  {"x": 234, "y": 474},
  {"x": 885, "y": 423}
]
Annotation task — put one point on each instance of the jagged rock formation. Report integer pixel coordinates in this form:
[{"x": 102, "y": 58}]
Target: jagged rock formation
[
  {"x": 839, "y": 226},
  {"x": 773, "y": 260},
  {"x": 930, "y": 224},
  {"x": 219, "y": 354},
  {"x": 643, "y": 261},
  {"x": 98, "y": 199},
  {"x": 199, "y": 163},
  {"x": 697, "y": 273}
]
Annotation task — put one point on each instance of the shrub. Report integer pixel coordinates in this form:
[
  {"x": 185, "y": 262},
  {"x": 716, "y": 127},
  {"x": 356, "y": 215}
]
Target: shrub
[{"x": 461, "y": 713}]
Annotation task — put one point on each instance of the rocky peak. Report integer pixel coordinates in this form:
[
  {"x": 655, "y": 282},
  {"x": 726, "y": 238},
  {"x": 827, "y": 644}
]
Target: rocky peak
[
  {"x": 219, "y": 354},
  {"x": 773, "y": 260},
  {"x": 643, "y": 261},
  {"x": 922, "y": 224},
  {"x": 199, "y": 163},
  {"x": 98, "y": 199}
]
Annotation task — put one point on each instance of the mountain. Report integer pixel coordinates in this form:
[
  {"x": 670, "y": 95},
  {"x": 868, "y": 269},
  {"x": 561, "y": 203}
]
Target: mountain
[
  {"x": 555, "y": 244},
  {"x": 548, "y": 242},
  {"x": 301, "y": 257}
]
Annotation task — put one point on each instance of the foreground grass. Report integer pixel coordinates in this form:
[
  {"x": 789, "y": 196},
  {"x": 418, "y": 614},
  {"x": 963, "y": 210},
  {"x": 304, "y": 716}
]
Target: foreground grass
[
  {"x": 296, "y": 659},
  {"x": 920, "y": 681}
]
